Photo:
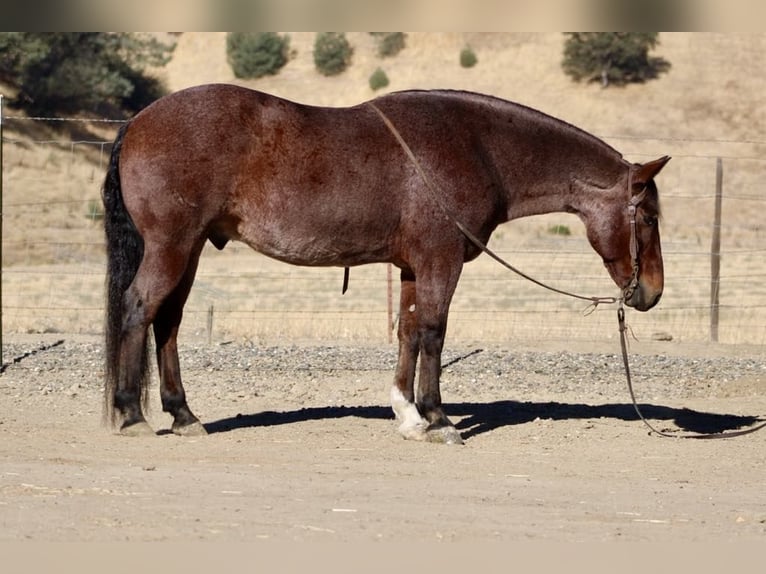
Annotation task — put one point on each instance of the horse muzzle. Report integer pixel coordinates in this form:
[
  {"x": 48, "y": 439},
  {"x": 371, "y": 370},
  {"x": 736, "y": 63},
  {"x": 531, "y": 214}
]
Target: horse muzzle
[{"x": 641, "y": 297}]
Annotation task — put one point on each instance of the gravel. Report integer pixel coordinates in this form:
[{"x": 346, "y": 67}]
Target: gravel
[{"x": 76, "y": 367}]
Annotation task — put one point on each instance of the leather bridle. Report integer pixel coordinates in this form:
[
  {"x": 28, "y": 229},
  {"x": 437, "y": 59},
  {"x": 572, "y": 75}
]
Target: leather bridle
[{"x": 633, "y": 204}]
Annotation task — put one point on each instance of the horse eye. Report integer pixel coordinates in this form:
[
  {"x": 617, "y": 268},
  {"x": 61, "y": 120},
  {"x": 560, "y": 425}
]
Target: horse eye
[{"x": 650, "y": 220}]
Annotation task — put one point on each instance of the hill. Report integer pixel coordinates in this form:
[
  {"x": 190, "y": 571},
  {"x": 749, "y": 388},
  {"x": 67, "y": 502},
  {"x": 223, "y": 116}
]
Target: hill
[{"x": 711, "y": 91}]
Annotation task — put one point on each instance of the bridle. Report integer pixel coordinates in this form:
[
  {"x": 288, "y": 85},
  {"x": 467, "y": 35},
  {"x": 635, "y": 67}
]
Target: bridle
[
  {"x": 633, "y": 204},
  {"x": 627, "y": 293}
]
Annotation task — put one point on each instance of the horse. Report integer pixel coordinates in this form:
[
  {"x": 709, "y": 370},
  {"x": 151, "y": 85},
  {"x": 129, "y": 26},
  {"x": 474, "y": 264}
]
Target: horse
[{"x": 332, "y": 186}]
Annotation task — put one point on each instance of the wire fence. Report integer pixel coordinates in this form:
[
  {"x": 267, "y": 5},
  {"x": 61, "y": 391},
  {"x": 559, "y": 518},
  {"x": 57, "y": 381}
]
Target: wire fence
[{"x": 53, "y": 260}]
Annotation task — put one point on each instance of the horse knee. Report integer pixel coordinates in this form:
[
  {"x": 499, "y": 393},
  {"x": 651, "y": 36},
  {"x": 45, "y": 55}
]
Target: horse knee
[{"x": 431, "y": 340}]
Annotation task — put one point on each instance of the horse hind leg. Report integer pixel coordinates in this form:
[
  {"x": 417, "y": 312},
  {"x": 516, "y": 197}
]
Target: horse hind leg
[
  {"x": 166, "y": 324},
  {"x": 156, "y": 279}
]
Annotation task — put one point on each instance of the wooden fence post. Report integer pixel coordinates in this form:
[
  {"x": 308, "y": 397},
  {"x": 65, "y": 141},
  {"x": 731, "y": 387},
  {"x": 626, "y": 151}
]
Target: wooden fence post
[
  {"x": 715, "y": 254},
  {"x": 210, "y": 324},
  {"x": 390, "y": 299},
  {"x": 1, "y": 230}
]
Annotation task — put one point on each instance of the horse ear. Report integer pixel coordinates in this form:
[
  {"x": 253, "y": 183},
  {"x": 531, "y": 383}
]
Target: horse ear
[{"x": 645, "y": 172}]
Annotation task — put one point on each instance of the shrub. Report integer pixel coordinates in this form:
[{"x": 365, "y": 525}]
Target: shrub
[
  {"x": 389, "y": 43},
  {"x": 468, "y": 57},
  {"x": 73, "y": 72},
  {"x": 559, "y": 230},
  {"x": 95, "y": 210},
  {"x": 256, "y": 54},
  {"x": 378, "y": 79},
  {"x": 332, "y": 53},
  {"x": 614, "y": 58}
]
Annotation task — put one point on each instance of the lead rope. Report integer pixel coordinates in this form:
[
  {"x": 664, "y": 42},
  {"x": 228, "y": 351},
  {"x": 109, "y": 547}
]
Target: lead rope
[
  {"x": 623, "y": 345},
  {"x": 595, "y": 301}
]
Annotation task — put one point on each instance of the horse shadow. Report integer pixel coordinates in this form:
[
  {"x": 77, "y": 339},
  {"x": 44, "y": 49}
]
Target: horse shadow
[{"x": 479, "y": 418}]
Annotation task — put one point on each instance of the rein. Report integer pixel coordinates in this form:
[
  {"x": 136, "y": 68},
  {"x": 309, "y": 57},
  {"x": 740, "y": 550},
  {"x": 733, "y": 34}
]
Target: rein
[{"x": 635, "y": 200}]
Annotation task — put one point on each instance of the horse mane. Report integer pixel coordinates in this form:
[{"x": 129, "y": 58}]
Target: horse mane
[{"x": 497, "y": 103}]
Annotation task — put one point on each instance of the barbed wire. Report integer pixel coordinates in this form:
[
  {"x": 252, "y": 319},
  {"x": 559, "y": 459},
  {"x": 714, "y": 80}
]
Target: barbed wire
[
  {"x": 57, "y": 119},
  {"x": 602, "y": 136}
]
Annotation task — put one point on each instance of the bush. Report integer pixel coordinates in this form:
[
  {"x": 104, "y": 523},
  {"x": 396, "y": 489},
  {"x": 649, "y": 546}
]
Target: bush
[
  {"x": 73, "y": 72},
  {"x": 468, "y": 57},
  {"x": 95, "y": 210},
  {"x": 389, "y": 43},
  {"x": 559, "y": 229},
  {"x": 612, "y": 57},
  {"x": 332, "y": 53},
  {"x": 378, "y": 79},
  {"x": 256, "y": 54}
]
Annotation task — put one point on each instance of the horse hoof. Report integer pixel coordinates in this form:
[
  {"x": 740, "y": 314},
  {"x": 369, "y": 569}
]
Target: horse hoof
[
  {"x": 141, "y": 428},
  {"x": 444, "y": 435},
  {"x": 192, "y": 429}
]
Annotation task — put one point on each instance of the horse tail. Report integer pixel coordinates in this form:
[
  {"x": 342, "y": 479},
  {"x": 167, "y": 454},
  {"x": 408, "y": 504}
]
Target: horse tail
[{"x": 124, "y": 251}]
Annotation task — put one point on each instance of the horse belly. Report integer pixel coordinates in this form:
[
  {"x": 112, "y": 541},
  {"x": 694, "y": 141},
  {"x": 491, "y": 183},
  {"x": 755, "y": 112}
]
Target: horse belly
[{"x": 315, "y": 242}]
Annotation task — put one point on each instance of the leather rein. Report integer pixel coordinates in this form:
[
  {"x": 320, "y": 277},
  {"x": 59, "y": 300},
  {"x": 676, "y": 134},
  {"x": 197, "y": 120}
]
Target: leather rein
[{"x": 627, "y": 292}]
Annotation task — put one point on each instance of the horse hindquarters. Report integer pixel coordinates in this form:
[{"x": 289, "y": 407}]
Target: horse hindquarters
[{"x": 148, "y": 281}]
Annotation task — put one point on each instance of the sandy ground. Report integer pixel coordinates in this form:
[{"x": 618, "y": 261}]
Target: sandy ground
[{"x": 303, "y": 447}]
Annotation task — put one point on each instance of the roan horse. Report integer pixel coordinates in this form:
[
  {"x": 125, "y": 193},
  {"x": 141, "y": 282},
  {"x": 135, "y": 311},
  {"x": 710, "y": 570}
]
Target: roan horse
[{"x": 324, "y": 186}]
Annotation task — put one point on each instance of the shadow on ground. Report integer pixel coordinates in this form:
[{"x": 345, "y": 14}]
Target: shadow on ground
[{"x": 478, "y": 418}]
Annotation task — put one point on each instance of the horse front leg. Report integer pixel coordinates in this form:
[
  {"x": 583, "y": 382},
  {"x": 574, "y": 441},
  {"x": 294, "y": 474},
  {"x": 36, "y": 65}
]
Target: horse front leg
[
  {"x": 435, "y": 290},
  {"x": 412, "y": 424},
  {"x": 422, "y": 323}
]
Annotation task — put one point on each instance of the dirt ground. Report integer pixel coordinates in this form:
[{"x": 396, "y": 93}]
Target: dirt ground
[{"x": 303, "y": 447}]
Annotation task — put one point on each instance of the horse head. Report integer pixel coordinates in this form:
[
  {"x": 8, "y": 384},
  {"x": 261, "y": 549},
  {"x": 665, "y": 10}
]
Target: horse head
[{"x": 628, "y": 237}]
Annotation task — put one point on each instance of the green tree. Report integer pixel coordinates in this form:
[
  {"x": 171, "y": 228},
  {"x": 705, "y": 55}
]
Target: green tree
[
  {"x": 612, "y": 57},
  {"x": 332, "y": 53},
  {"x": 256, "y": 54},
  {"x": 64, "y": 72}
]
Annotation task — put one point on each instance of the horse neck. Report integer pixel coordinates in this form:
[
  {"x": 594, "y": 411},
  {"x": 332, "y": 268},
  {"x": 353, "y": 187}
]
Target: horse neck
[
  {"x": 570, "y": 172},
  {"x": 569, "y": 193},
  {"x": 548, "y": 165}
]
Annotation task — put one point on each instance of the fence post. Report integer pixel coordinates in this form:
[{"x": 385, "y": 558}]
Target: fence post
[
  {"x": 1, "y": 230},
  {"x": 715, "y": 253},
  {"x": 210, "y": 324}
]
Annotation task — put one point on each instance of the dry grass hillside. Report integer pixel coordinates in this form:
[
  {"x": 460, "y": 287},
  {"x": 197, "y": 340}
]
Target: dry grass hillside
[
  {"x": 709, "y": 105},
  {"x": 713, "y": 90}
]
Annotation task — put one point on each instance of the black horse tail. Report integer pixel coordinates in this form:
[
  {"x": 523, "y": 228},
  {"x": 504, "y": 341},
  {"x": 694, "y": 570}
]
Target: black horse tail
[{"x": 124, "y": 251}]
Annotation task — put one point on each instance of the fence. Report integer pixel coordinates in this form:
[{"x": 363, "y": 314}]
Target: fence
[{"x": 53, "y": 260}]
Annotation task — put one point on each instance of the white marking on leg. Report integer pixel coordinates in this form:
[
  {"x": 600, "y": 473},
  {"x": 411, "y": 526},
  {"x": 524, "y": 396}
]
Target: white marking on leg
[{"x": 412, "y": 426}]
